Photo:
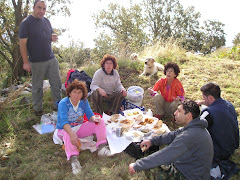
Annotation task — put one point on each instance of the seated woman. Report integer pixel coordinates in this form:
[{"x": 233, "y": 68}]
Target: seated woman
[
  {"x": 70, "y": 124},
  {"x": 171, "y": 92},
  {"x": 107, "y": 87}
]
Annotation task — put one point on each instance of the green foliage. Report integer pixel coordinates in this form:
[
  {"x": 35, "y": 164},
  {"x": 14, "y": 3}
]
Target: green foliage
[
  {"x": 35, "y": 156},
  {"x": 126, "y": 26},
  {"x": 149, "y": 21},
  {"x": 234, "y": 53},
  {"x": 103, "y": 45},
  {"x": 11, "y": 15},
  {"x": 75, "y": 54},
  {"x": 213, "y": 36},
  {"x": 236, "y": 40}
]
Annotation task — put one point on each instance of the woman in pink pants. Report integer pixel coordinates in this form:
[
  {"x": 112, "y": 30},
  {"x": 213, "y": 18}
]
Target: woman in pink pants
[{"x": 70, "y": 124}]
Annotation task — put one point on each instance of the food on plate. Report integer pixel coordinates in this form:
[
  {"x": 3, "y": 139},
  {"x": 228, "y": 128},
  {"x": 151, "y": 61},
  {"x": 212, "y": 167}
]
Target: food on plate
[
  {"x": 143, "y": 123},
  {"x": 115, "y": 117},
  {"x": 138, "y": 118},
  {"x": 109, "y": 121},
  {"x": 137, "y": 126},
  {"x": 136, "y": 134},
  {"x": 126, "y": 121},
  {"x": 158, "y": 125},
  {"x": 145, "y": 130},
  {"x": 132, "y": 113},
  {"x": 149, "y": 120},
  {"x": 160, "y": 131}
]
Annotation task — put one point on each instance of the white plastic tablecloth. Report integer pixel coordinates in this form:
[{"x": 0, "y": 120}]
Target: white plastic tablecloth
[{"x": 117, "y": 144}]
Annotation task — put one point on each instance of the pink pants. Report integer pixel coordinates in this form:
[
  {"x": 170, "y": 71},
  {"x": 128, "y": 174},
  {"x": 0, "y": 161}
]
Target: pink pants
[{"x": 86, "y": 129}]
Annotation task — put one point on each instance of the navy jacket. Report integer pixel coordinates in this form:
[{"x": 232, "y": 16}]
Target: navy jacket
[{"x": 223, "y": 129}]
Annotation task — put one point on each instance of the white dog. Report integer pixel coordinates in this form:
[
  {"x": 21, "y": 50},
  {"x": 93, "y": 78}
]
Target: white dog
[
  {"x": 151, "y": 67},
  {"x": 134, "y": 56}
]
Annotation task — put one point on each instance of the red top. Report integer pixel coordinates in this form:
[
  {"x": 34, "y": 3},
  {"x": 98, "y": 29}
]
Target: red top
[{"x": 175, "y": 90}]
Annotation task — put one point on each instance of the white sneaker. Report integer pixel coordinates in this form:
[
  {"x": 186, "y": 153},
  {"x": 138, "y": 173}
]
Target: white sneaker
[
  {"x": 76, "y": 167},
  {"x": 105, "y": 151}
]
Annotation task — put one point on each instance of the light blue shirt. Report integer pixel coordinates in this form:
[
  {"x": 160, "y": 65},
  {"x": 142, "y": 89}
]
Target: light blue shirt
[{"x": 67, "y": 115}]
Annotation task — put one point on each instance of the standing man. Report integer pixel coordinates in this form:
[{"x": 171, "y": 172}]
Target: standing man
[
  {"x": 189, "y": 152},
  {"x": 223, "y": 128},
  {"x": 36, "y": 35}
]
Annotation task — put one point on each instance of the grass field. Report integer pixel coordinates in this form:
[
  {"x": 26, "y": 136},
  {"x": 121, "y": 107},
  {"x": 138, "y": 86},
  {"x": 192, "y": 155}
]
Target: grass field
[{"x": 25, "y": 154}]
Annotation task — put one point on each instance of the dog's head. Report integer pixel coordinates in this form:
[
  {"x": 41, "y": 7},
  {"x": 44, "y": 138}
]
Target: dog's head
[
  {"x": 149, "y": 61},
  {"x": 134, "y": 56}
]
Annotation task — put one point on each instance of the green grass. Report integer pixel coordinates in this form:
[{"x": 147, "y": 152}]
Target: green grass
[{"x": 25, "y": 154}]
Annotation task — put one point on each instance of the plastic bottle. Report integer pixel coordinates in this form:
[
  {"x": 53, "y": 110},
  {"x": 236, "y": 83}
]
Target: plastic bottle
[{"x": 149, "y": 112}]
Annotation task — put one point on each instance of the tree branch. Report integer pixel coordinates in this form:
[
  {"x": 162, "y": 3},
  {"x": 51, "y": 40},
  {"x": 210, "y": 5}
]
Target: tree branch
[{"x": 5, "y": 57}]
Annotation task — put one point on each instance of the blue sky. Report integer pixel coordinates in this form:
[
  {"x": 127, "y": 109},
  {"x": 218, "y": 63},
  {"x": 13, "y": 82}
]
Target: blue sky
[{"x": 81, "y": 27}]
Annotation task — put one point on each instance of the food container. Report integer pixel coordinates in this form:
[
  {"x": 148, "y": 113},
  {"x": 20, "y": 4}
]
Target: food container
[{"x": 135, "y": 95}]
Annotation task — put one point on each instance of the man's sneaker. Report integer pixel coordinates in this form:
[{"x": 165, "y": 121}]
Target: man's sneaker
[
  {"x": 76, "y": 167},
  {"x": 105, "y": 151},
  {"x": 38, "y": 113}
]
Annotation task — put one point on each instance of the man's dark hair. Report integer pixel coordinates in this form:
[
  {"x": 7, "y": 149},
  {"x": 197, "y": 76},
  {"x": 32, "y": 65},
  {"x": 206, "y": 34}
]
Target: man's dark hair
[
  {"x": 192, "y": 107},
  {"x": 212, "y": 89},
  {"x": 35, "y": 2}
]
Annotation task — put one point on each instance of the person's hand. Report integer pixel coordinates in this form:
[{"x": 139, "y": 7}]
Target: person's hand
[
  {"x": 27, "y": 67},
  {"x": 145, "y": 145},
  {"x": 131, "y": 169},
  {"x": 102, "y": 92},
  {"x": 124, "y": 92},
  {"x": 151, "y": 91},
  {"x": 200, "y": 102},
  {"x": 177, "y": 98},
  {"x": 96, "y": 119},
  {"x": 54, "y": 37},
  {"x": 74, "y": 139}
]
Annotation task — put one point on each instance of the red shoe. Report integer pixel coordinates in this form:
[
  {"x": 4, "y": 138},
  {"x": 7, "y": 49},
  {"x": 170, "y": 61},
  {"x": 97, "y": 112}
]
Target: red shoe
[{"x": 158, "y": 116}]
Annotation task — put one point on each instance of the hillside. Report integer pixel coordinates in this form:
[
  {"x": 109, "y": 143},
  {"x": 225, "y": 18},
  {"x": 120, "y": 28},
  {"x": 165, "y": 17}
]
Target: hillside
[{"x": 25, "y": 154}]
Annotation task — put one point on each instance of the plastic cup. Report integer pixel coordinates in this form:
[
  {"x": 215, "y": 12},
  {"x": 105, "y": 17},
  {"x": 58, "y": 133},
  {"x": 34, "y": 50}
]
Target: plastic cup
[{"x": 97, "y": 119}]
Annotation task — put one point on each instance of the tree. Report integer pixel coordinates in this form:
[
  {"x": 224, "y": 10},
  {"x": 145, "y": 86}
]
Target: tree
[
  {"x": 160, "y": 15},
  {"x": 11, "y": 15},
  {"x": 126, "y": 26},
  {"x": 236, "y": 40},
  {"x": 168, "y": 19},
  {"x": 213, "y": 36}
]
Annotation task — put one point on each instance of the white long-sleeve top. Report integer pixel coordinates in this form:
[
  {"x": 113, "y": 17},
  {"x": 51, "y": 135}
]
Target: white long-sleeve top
[{"x": 108, "y": 82}]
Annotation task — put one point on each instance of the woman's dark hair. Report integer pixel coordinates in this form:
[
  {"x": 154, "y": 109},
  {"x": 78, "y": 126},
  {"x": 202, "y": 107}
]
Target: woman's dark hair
[
  {"x": 172, "y": 65},
  {"x": 212, "y": 89},
  {"x": 192, "y": 107},
  {"x": 108, "y": 57},
  {"x": 76, "y": 84}
]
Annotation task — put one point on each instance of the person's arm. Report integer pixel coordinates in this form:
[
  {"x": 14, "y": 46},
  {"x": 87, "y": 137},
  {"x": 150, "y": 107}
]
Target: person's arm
[
  {"x": 62, "y": 114},
  {"x": 87, "y": 109},
  {"x": 23, "y": 50},
  {"x": 200, "y": 102},
  {"x": 95, "y": 84},
  {"x": 54, "y": 37},
  {"x": 166, "y": 138},
  {"x": 157, "y": 85},
  {"x": 207, "y": 116},
  {"x": 117, "y": 84},
  {"x": 165, "y": 156}
]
